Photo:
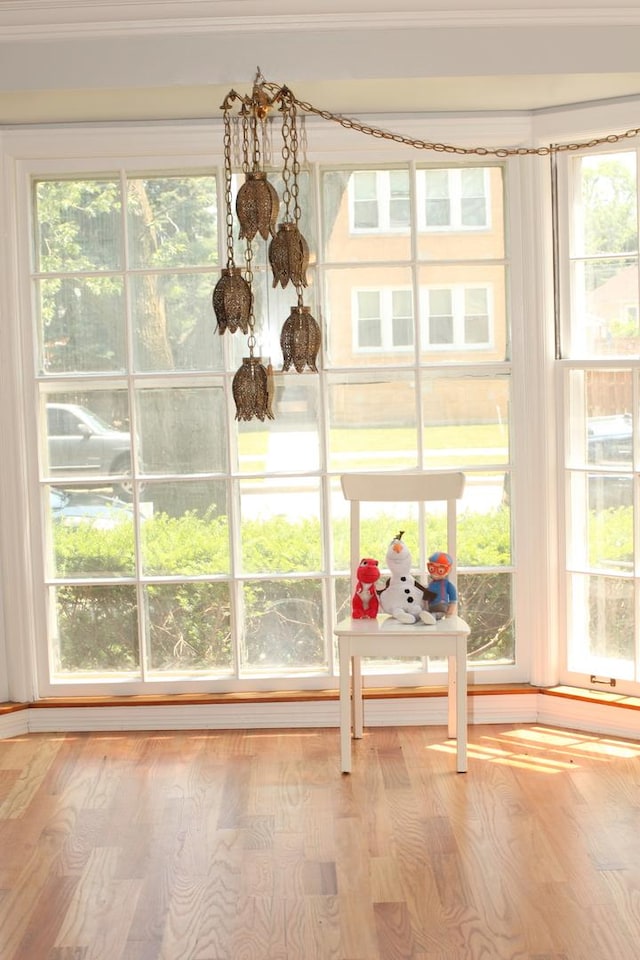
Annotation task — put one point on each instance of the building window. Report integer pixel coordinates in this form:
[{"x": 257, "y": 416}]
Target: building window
[
  {"x": 457, "y": 317},
  {"x": 453, "y": 199},
  {"x": 384, "y": 320},
  {"x": 379, "y": 201}
]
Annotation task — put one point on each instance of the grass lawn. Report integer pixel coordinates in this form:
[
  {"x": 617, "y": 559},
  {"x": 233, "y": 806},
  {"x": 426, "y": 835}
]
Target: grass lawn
[{"x": 388, "y": 439}]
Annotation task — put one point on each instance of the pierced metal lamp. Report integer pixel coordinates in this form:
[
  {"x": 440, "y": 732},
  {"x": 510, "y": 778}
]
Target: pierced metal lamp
[{"x": 257, "y": 207}]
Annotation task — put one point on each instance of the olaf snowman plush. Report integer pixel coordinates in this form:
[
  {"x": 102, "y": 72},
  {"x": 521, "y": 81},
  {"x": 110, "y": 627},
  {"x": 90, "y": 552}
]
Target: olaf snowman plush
[{"x": 402, "y": 596}]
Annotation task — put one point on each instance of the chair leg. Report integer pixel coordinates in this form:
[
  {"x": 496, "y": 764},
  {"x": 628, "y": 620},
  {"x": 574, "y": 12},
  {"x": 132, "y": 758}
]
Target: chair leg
[
  {"x": 357, "y": 705},
  {"x": 345, "y": 709},
  {"x": 461, "y": 706},
  {"x": 452, "y": 696}
]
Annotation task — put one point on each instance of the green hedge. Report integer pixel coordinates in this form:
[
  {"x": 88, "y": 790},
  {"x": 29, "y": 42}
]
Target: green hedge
[{"x": 190, "y": 623}]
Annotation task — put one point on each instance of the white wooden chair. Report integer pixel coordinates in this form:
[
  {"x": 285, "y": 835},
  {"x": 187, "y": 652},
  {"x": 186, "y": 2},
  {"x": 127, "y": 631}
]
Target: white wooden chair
[{"x": 386, "y": 636}]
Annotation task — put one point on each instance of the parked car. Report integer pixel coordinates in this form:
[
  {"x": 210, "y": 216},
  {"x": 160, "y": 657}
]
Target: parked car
[
  {"x": 80, "y": 442},
  {"x": 73, "y": 508},
  {"x": 610, "y": 439}
]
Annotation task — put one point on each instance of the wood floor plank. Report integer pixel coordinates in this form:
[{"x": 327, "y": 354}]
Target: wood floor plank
[{"x": 218, "y": 845}]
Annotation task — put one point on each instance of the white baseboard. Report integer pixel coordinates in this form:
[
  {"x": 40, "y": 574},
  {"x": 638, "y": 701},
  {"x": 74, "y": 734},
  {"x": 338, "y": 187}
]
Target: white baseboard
[{"x": 408, "y": 711}]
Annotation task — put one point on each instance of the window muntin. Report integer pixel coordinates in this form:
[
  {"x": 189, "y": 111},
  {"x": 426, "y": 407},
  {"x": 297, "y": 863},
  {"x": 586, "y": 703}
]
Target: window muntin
[{"x": 228, "y": 553}]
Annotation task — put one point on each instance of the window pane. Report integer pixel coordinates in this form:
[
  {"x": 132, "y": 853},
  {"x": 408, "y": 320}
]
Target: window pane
[
  {"x": 283, "y": 626},
  {"x": 368, "y": 294},
  {"x": 461, "y": 213},
  {"x": 399, "y": 200},
  {"x": 189, "y": 629},
  {"x": 174, "y": 323},
  {"x": 82, "y": 325},
  {"x": 485, "y": 602},
  {"x": 466, "y": 420},
  {"x": 402, "y": 331},
  {"x": 294, "y": 446},
  {"x": 92, "y": 534},
  {"x": 605, "y": 308},
  {"x": 473, "y": 207},
  {"x": 88, "y": 441},
  {"x": 366, "y": 216},
  {"x": 95, "y": 631},
  {"x": 601, "y": 522},
  {"x": 372, "y": 423},
  {"x": 182, "y": 430},
  {"x": 602, "y": 626},
  {"x": 607, "y": 206},
  {"x": 369, "y": 326},
  {"x": 78, "y": 226},
  {"x": 464, "y": 312},
  {"x": 600, "y": 422},
  {"x": 365, "y": 206},
  {"x": 172, "y": 221},
  {"x": 280, "y": 530},
  {"x": 185, "y": 528},
  {"x": 476, "y": 330},
  {"x": 440, "y": 330}
]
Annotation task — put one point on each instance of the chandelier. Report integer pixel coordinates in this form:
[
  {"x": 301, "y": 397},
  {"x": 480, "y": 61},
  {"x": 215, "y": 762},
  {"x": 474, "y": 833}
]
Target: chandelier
[{"x": 257, "y": 208}]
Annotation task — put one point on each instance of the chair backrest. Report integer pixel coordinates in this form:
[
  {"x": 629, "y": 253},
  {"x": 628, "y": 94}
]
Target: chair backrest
[{"x": 401, "y": 487}]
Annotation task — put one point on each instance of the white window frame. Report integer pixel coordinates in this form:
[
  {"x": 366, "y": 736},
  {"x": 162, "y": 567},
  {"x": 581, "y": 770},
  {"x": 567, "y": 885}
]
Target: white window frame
[{"x": 573, "y": 359}]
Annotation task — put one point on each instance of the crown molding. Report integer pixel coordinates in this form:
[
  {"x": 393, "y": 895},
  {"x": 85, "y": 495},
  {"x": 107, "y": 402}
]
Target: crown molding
[{"x": 22, "y": 20}]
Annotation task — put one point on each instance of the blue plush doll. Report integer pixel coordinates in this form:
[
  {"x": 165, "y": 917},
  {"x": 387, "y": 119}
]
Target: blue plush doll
[{"x": 445, "y": 601}]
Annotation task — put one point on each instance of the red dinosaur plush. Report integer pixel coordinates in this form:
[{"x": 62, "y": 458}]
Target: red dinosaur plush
[{"x": 364, "y": 603}]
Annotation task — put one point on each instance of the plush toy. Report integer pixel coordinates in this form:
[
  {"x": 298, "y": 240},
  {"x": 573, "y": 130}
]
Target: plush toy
[
  {"x": 445, "y": 600},
  {"x": 364, "y": 603},
  {"x": 403, "y": 597}
]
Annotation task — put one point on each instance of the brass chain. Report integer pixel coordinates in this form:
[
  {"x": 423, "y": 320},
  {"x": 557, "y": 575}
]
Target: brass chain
[
  {"x": 253, "y": 121},
  {"x": 295, "y": 166},
  {"x": 227, "y": 188},
  {"x": 248, "y": 275},
  {"x": 245, "y": 141},
  {"x": 286, "y": 154},
  {"x": 349, "y": 123}
]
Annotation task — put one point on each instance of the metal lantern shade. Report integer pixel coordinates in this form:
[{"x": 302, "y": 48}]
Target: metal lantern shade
[
  {"x": 300, "y": 340},
  {"x": 232, "y": 301},
  {"x": 252, "y": 390},
  {"x": 289, "y": 256},
  {"x": 257, "y": 205}
]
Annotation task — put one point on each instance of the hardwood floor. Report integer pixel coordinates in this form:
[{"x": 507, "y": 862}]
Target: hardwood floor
[{"x": 250, "y": 845}]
